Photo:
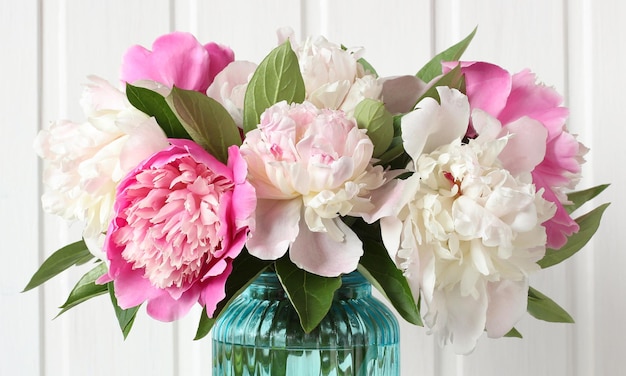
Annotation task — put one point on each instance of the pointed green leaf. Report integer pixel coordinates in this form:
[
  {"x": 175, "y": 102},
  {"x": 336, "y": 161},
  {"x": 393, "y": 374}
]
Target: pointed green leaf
[
  {"x": 204, "y": 325},
  {"x": 206, "y": 121},
  {"x": 245, "y": 270},
  {"x": 86, "y": 288},
  {"x": 374, "y": 117},
  {"x": 380, "y": 270},
  {"x": 394, "y": 151},
  {"x": 433, "y": 69},
  {"x": 153, "y": 104},
  {"x": 454, "y": 79},
  {"x": 72, "y": 254},
  {"x": 513, "y": 333},
  {"x": 310, "y": 294},
  {"x": 543, "y": 308},
  {"x": 125, "y": 317},
  {"x": 579, "y": 198},
  {"x": 589, "y": 224},
  {"x": 368, "y": 67},
  {"x": 277, "y": 78}
]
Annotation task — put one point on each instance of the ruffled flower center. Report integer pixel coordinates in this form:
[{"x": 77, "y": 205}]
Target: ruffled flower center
[
  {"x": 173, "y": 221},
  {"x": 474, "y": 220}
]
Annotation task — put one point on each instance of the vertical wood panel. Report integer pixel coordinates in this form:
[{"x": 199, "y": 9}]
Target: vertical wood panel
[
  {"x": 608, "y": 160},
  {"x": 580, "y": 34},
  {"x": 19, "y": 316}
]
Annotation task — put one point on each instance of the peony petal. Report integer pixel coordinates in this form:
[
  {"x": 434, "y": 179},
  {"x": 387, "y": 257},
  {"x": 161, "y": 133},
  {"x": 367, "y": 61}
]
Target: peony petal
[
  {"x": 165, "y": 308},
  {"x": 214, "y": 290},
  {"x": 132, "y": 289},
  {"x": 177, "y": 59},
  {"x": 220, "y": 57},
  {"x": 539, "y": 102},
  {"x": 507, "y": 304},
  {"x": 400, "y": 94},
  {"x": 487, "y": 85},
  {"x": 465, "y": 319},
  {"x": 145, "y": 140},
  {"x": 526, "y": 148},
  {"x": 432, "y": 125},
  {"x": 317, "y": 253},
  {"x": 276, "y": 228}
]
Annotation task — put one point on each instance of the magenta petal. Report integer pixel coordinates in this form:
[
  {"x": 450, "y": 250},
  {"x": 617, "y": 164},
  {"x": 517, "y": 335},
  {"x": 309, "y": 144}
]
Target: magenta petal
[
  {"x": 487, "y": 85},
  {"x": 165, "y": 308},
  {"x": 539, "y": 102},
  {"x": 318, "y": 253},
  {"x": 561, "y": 225},
  {"x": 177, "y": 59},
  {"x": 214, "y": 290},
  {"x": 131, "y": 289},
  {"x": 221, "y": 56}
]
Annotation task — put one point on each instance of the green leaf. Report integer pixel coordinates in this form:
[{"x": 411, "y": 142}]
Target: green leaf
[
  {"x": 125, "y": 317},
  {"x": 454, "y": 79},
  {"x": 86, "y": 288},
  {"x": 433, "y": 69},
  {"x": 394, "y": 151},
  {"x": 513, "y": 333},
  {"x": 367, "y": 67},
  {"x": 374, "y": 117},
  {"x": 543, "y": 308},
  {"x": 579, "y": 198},
  {"x": 246, "y": 268},
  {"x": 380, "y": 270},
  {"x": 310, "y": 294},
  {"x": 72, "y": 254},
  {"x": 277, "y": 78},
  {"x": 207, "y": 122},
  {"x": 153, "y": 104},
  {"x": 589, "y": 224}
]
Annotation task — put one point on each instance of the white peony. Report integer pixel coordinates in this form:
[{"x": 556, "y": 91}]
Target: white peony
[
  {"x": 229, "y": 88},
  {"x": 84, "y": 162},
  {"x": 466, "y": 232},
  {"x": 333, "y": 77}
]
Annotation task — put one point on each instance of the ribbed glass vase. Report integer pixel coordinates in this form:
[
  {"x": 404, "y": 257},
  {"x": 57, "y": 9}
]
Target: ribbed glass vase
[{"x": 260, "y": 334}]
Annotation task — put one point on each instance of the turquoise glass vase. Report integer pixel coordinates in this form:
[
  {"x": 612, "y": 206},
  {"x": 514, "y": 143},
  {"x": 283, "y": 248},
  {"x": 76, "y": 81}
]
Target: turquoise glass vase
[{"x": 260, "y": 334}]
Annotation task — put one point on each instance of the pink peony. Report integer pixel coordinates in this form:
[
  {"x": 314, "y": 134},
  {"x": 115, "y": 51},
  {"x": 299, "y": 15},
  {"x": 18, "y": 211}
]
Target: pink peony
[
  {"x": 309, "y": 167},
  {"x": 180, "y": 219},
  {"x": 177, "y": 59},
  {"x": 510, "y": 98}
]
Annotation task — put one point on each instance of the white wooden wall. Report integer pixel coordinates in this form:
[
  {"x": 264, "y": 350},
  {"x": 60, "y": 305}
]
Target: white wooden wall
[{"x": 48, "y": 47}]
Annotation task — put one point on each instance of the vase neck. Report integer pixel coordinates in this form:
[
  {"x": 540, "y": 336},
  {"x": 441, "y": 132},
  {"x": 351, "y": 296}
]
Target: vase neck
[{"x": 267, "y": 286}]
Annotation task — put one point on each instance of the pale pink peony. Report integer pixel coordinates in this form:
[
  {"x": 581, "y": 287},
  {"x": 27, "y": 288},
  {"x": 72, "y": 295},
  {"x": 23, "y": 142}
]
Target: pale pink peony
[
  {"x": 177, "y": 59},
  {"x": 309, "y": 167},
  {"x": 181, "y": 217},
  {"x": 510, "y": 98}
]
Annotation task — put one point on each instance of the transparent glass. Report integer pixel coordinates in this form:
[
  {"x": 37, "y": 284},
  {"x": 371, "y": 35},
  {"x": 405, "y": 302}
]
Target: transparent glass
[{"x": 260, "y": 334}]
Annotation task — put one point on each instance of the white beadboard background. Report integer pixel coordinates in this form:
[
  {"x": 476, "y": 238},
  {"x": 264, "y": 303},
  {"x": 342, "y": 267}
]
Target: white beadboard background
[{"x": 48, "y": 47}]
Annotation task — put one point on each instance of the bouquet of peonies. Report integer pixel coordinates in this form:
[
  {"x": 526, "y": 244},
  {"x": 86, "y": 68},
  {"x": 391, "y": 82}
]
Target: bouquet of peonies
[{"x": 446, "y": 189}]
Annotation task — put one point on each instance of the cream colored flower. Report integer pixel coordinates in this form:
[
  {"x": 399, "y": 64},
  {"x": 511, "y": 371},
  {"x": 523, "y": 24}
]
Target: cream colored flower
[
  {"x": 466, "y": 232},
  {"x": 333, "y": 77},
  {"x": 84, "y": 162}
]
